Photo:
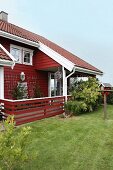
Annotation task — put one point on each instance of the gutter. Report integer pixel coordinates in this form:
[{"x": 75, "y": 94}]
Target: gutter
[
  {"x": 6, "y": 63},
  {"x": 19, "y": 39},
  {"x": 88, "y": 71}
]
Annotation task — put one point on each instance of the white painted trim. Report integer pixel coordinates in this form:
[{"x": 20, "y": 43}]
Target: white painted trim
[
  {"x": 51, "y": 53},
  {"x": 7, "y": 52},
  {"x": 19, "y": 39},
  {"x": 6, "y": 63},
  {"x": 31, "y": 56},
  {"x": 1, "y": 82},
  {"x": 22, "y": 100},
  {"x": 18, "y": 48},
  {"x": 22, "y": 50},
  {"x": 49, "y": 84},
  {"x": 56, "y": 56},
  {"x": 64, "y": 82},
  {"x": 63, "y": 61},
  {"x": 83, "y": 70}
]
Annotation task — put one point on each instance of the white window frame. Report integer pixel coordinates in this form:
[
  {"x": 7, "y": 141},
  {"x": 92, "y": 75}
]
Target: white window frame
[
  {"x": 23, "y": 50},
  {"x": 19, "y": 48},
  {"x": 31, "y": 55}
]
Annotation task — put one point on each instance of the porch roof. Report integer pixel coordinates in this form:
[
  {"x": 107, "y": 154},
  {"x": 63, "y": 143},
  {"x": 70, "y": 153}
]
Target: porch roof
[
  {"x": 14, "y": 30},
  {"x": 6, "y": 59}
]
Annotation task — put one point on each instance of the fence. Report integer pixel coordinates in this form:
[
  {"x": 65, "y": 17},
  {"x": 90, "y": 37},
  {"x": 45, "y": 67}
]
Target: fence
[{"x": 29, "y": 110}]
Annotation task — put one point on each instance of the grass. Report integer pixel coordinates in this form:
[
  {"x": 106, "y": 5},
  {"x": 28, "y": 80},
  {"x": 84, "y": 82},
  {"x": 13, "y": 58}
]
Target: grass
[{"x": 78, "y": 143}]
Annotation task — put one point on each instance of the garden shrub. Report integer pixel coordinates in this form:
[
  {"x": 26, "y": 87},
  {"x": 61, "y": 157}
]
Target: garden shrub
[
  {"x": 13, "y": 143},
  {"x": 110, "y": 97},
  {"x": 19, "y": 92},
  {"x": 75, "y": 107},
  {"x": 85, "y": 96}
]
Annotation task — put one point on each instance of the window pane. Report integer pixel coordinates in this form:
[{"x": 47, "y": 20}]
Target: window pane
[
  {"x": 26, "y": 57},
  {"x": 16, "y": 53}
]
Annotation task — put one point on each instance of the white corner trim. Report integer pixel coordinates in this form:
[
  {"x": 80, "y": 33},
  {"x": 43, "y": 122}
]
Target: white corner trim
[
  {"x": 57, "y": 57},
  {"x": 1, "y": 82},
  {"x": 19, "y": 39}
]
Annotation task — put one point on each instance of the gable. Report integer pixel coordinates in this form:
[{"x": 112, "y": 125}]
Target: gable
[{"x": 42, "y": 61}]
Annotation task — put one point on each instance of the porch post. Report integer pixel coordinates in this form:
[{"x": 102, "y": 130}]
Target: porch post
[
  {"x": 1, "y": 82},
  {"x": 64, "y": 83},
  {"x": 49, "y": 84}
]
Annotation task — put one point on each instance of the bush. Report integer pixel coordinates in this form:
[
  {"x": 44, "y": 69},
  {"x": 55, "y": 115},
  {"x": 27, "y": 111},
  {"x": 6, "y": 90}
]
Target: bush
[
  {"x": 85, "y": 96},
  {"x": 75, "y": 107},
  {"x": 19, "y": 92},
  {"x": 13, "y": 142},
  {"x": 110, "y": 98}
]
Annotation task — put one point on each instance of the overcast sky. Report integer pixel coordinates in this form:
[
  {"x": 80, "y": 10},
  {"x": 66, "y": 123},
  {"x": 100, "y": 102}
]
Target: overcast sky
[{"x": 84, "y": 27}]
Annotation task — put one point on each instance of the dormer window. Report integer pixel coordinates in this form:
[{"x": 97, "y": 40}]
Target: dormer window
[{"x": 22, "y": 55}]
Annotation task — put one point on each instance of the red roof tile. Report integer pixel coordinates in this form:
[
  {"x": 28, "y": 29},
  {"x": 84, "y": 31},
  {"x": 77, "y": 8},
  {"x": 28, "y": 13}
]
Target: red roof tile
[
  {"x": 20, "y": 32},
  {"x": 3, "y": 55}
]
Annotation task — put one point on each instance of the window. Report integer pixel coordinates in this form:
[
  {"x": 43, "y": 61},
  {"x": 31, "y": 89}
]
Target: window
[
  {"x": 21, "y": 54},
  {"x": 27, "y": 57},
  {"x": 16, "y": 53}
]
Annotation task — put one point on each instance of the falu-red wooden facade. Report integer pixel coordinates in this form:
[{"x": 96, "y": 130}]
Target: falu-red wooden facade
[{"x": 35, "y": 75}]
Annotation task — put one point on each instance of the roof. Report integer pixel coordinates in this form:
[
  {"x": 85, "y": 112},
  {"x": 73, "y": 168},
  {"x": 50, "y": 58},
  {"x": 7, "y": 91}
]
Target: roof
[
  {"x": 3, "y": 55},
  {"x": 20, "y": 32},
  {"x": 6, "y": 59},
  {"x": 106, "y": 85}
]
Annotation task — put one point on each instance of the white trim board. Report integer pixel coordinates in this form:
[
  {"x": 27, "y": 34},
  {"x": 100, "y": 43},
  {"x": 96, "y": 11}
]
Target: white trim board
[
  {"x": 17, "y": 38},
  {"x": 1, "y": 82},
  {"x": 51, "y": 53},
  {"x": 65, "y": 62},
  {"x": 7, "y": 62},
  {"x": 56, "y": 56}
]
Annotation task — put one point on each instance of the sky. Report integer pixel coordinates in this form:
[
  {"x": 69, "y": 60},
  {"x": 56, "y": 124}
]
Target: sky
[{"x": 84, "y": 27}]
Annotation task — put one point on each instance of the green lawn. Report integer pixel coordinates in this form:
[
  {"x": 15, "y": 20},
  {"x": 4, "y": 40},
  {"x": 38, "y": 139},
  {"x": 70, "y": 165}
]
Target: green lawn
[{"x": 78, "y": 143}]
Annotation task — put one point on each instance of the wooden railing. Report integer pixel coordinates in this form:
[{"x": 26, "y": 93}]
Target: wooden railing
[{"x": 29, "y": 110}]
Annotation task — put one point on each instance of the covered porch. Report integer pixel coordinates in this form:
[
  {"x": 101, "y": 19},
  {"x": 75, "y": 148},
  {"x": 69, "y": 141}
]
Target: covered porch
[{"x": 60, "y": 79}]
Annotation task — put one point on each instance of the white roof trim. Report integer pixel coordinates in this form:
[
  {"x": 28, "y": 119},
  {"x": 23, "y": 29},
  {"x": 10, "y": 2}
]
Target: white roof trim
[
  {"x": 10, "y": 56},
  {"x": 65, "y": 62},
  {"x": 7, "y": 62},
  {"x": 51, "y": 53},
  {"x": 17, "y": 38},
  {"x": 84, "y": 70},
  {"x": 56, "y": 56}
]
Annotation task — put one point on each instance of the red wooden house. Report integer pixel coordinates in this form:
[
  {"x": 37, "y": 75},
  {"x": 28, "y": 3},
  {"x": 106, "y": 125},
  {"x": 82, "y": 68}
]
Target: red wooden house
[{"x": 39, "y": 59}]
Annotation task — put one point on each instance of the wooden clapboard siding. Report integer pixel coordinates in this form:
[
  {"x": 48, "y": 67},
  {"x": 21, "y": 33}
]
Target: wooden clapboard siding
[
  {"x": 33, "y": 76},
  {"x": 42, "y": 61},
  {"x": 31, "y": 110}
]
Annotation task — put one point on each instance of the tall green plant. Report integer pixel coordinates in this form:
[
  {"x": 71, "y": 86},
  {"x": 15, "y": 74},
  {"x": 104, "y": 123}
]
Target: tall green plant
[{"x": 13, "y": 143}]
